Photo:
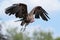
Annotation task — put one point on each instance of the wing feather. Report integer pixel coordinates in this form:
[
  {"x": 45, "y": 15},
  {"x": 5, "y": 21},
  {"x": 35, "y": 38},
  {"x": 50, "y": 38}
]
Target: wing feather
[
  {"x": 20, "y": 10},
  {"x": 40, "y": 12}
]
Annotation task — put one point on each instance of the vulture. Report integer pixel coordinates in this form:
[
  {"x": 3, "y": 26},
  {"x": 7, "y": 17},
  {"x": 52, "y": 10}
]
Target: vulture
[{"x": 20, "y": 11}]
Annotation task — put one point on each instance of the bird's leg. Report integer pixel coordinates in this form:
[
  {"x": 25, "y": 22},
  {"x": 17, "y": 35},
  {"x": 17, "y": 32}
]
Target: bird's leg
[
  {"x": 22, "y": 25},
  {"x": 25, "y": 26},
  {"x": 21, "y": 29}
]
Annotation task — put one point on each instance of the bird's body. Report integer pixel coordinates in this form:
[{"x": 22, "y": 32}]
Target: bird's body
[
  {"x": 20, "y": 11},
  {"x": 29, "y": 19}
]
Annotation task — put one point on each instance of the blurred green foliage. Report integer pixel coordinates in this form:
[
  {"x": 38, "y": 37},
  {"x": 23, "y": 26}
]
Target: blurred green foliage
[
  {"x": 14, "y": 34},
  {"x": 58, "y": 38}
]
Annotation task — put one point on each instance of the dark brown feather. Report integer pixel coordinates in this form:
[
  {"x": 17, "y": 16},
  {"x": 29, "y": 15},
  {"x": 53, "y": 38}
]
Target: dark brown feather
[
  {"x": 39, "y": 11},
  {"x": 20, "y": 10}
]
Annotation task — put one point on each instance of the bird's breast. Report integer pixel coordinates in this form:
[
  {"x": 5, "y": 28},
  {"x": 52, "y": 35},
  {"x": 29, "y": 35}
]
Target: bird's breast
[{"x": 30, "y": 19}]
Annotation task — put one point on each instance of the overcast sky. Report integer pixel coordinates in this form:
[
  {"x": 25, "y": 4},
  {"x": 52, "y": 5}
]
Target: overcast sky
[{"x": 51, "y": 6}]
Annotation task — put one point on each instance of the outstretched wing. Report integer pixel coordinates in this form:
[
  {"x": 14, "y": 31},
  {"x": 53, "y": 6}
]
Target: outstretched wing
[
  {"x": 39, "y": 11},
  {"x": 19, "y": 10}
]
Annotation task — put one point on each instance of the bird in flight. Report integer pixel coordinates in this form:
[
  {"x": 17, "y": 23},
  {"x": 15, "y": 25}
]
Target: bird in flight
[{"x": 20, "y": 11}]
